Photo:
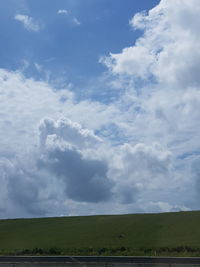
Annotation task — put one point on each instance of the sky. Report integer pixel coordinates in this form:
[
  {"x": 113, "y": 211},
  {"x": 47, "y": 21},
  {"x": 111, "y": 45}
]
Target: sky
[{"x": 99, "y": 107}]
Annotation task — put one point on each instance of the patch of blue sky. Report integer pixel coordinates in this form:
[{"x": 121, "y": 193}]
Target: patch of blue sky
[
  {"x": 189, "y": 154},
  {"x": 113, "y": 133},
  {"x": 63, "y": 47}
]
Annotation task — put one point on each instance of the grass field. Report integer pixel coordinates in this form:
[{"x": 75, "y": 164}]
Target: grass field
[{"x": 171, "y": 234}]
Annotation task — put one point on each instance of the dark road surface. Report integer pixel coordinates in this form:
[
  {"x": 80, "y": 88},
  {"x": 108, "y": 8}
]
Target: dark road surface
[{"x": 90, "y": 259}]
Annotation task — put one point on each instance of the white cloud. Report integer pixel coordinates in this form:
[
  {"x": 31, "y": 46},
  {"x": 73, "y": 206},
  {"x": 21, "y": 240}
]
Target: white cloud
[
  {"x": 129, "y": 62},
  {"x": 24, "y": 105},
  {"x": 166, "y": 69},
  {"x": 72, "y": 19},
  {"x": 166, "y": 50},
  {"x": 76, "y": 21},
  {"x": 24, "y": 102},
  {"x": 69, "y": 131},
  {"x": 62, "y": 11},
  {"x": 48, "y": 162},
  {"x": 139, "y": 153},
  {"x": 29, "y": 23},
  {"x": 162, "y": 96},
  {"x": 63, "y": 155}
]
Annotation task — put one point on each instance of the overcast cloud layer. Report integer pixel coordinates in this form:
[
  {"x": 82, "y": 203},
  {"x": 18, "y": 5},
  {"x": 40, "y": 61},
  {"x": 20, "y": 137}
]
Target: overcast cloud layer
[{"x": 60, "y": 155}]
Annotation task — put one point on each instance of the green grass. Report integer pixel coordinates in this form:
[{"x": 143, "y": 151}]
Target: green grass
[{"x": 175, "y": 234}]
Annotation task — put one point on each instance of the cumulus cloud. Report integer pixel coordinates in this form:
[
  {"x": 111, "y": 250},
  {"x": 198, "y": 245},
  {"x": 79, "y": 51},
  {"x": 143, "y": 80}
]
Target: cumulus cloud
[
  {"x": 24, "y": 102},
  {"x": 63, "y": 154},
  {"x": 24, "y": 190},
  {"x": 165, "y": 62},
  {"x": 133, "y": 61},
  {"x": 85, "y": 179},
  {"x": 29, "y": 23},
  {"x": 139, "y": 169},
  {"x": 161, "y": 71},
  {"x": 48, "y": 160},
  {"x": 69, "y": 131},
  {"x": 164, "y": 50},
  {"x": 139, "y": 153}
]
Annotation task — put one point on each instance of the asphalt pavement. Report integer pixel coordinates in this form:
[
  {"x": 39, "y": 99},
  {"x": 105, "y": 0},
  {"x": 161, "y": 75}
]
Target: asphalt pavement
[{"x": 89, "y": 259}]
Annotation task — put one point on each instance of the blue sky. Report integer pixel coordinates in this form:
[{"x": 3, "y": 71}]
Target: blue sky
[
  {"x": 99, "y": 107},
  {"x": 62, "y": 46}
]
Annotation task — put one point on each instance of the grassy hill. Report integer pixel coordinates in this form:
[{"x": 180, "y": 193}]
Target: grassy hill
[{"x": 136, "y": 234}]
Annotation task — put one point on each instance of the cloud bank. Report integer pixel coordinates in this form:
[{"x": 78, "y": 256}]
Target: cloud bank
[{"x": 139, "y": 153}]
